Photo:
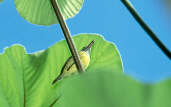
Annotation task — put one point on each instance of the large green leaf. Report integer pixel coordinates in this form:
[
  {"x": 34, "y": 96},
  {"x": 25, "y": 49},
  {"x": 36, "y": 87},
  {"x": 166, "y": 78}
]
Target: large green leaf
[
  {"x": 26, "y": 79},
  {"x": 161, "y": 94},
  {"x": 112, "y": 89},
  {"x": 41, "y": 12},
  {"x": 102, "y": 89}
]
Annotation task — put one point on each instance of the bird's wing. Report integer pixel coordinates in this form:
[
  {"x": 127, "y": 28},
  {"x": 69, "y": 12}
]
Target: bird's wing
[
  {"x": 65, "y": 64},
  {"x": 62, "y": 71},
  {"x": 70, "y": 66}
]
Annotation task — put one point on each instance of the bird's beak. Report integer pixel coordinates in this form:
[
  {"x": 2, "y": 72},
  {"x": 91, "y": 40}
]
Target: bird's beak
[
  {"x": 88, "y": 47},
  {"x": 91, "y": 44}
]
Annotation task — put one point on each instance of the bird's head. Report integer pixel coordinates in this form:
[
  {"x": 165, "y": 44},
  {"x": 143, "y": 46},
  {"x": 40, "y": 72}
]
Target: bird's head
[{"x": 88, "y": 47}]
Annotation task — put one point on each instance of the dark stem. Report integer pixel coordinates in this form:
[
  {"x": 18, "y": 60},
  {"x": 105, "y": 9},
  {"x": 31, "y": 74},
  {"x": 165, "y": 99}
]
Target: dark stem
[
  {"x": 146, "y": 28},
  {"x": 67, "y": 35}
]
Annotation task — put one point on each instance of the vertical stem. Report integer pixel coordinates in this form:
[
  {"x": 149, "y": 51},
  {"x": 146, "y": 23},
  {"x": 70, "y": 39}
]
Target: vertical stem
[
  {"x": 67, "y": 35},
  {"x": 146, "y": 28}
]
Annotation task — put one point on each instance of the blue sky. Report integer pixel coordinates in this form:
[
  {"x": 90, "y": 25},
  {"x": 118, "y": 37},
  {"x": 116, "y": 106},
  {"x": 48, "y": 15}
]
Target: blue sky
[{"x": 142, "y": 59}]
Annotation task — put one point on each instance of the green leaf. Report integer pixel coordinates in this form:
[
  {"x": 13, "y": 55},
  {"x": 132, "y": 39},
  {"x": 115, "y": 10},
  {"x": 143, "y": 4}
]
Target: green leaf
[
  {"x": 102, "y": 89},
  {"x": 161, "y": 94},
  {"x": 112, "y": 89},
  {"x": 40, "y": 12},
  {"x": 26, "y": 79}
]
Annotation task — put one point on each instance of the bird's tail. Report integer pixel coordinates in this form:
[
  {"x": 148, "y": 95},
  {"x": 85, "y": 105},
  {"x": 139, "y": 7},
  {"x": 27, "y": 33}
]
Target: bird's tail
[{"x": 58, "y": 78}]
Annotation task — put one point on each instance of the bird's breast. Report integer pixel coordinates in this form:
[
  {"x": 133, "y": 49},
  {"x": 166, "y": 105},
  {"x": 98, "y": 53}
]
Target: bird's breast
[
  {"x": 70, "y": 67},
  {"x": 85, "y": 59}
]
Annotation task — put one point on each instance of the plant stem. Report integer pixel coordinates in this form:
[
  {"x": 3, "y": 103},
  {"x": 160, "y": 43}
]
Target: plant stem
[
  {"x": 147, "y": 29},
  {"x": 67, "y": 35}
]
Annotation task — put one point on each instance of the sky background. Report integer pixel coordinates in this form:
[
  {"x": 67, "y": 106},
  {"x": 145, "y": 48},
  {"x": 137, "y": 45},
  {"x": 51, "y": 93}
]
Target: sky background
[{"x": 142, "y": 59}]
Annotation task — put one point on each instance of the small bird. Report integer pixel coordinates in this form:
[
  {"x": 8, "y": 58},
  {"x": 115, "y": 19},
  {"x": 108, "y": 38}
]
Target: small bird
[{"x": 69, "y": 67}]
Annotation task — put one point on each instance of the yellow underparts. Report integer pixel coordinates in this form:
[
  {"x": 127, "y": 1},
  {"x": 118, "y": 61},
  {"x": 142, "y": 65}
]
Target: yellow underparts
[{"x": 85, "y": 59}]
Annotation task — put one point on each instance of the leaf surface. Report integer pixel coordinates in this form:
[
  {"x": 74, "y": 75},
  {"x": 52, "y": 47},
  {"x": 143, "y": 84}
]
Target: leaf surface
[
  {"x": 26, "y": 79},
  {"x": 112, "y": 89},
  {"x": 40, "y": 12}
]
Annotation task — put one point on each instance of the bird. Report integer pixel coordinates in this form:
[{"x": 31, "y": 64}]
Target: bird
[{"x": 70, "y": 68}]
